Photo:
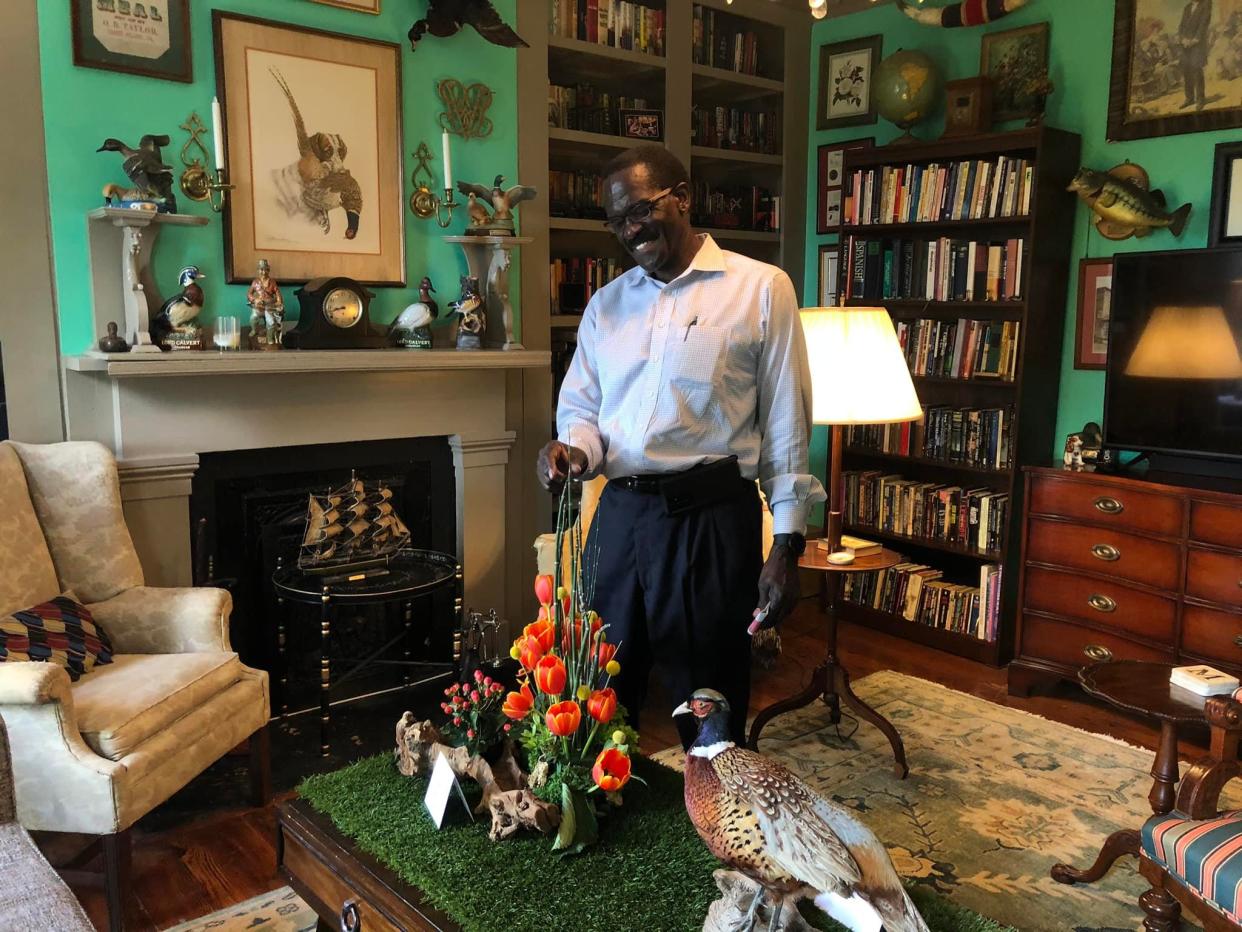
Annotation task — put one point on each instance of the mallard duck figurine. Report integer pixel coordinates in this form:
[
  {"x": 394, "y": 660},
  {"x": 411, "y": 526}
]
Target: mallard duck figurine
[
  {"x": 181, "y": 311},
  {"x": 503, "y": 201},
  {"x": 145, "y": 167},
  {"x": 762, "y": 821}
]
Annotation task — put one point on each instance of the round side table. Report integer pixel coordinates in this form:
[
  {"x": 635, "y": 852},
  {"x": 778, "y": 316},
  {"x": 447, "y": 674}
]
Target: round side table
[{"x": 411, "y": 574}]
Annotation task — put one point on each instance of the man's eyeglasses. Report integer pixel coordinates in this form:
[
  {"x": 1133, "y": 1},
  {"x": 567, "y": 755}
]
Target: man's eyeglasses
[{"x": 637, "y": 212}]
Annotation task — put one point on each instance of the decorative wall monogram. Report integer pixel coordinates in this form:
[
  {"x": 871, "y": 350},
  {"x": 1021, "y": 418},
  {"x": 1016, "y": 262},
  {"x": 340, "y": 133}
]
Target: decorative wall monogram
[{"x": 465, "y": 108}]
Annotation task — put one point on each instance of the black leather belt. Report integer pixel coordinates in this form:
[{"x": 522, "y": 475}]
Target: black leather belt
[{"x": 691, "y": 488}]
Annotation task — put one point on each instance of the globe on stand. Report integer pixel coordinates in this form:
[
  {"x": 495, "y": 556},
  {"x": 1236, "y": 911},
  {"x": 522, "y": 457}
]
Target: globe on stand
[{"x": 908, "y": 87}]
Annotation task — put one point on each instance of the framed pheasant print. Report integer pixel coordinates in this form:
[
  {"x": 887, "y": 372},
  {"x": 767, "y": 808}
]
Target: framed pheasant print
[{"x": 312, "y": 126}]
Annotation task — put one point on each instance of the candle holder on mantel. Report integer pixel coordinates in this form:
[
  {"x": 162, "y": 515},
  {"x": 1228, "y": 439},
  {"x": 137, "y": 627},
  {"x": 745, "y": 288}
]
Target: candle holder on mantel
[
  {"x": 423, "y": 202},
  {"x": 488, "y": 259}
]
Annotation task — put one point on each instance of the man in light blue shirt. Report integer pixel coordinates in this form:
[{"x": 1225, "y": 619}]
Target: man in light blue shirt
[{"x": 689, "y": 382}]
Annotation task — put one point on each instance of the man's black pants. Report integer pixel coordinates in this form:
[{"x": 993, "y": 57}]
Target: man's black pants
[{"x": 678, "y": 592}]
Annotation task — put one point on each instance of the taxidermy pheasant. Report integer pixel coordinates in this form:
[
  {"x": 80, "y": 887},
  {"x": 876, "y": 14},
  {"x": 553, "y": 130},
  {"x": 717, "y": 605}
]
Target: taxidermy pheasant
[
  {"x": 181, "y": 308},
  {"x": 446, "y": 17},
  {"x": 145, "y": 167},
  {"x": 761, "y": 820},
  {"x": 326, "y": 182}
]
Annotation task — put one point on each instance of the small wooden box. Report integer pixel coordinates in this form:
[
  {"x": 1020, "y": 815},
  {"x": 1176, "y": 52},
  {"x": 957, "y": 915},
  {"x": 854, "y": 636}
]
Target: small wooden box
[{"x": 967, "y": 106}]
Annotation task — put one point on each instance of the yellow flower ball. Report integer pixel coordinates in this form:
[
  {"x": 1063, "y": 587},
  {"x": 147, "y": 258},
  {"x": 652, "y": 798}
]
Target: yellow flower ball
[
  {"x": 618, "y": 737},
  {"x": 584, "y": 693},
  {"x": 613, "y": 668},
  {"x": 561, "y": 592},
  {"x": 515, "y": 652}
]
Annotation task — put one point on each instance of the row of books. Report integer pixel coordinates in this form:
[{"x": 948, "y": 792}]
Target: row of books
[
  {"x": 575, "y": 194},
  {"x": 739, "y": 207},
  {"x": 919, "y": 594},
  {"x": 973, "y": 518},
  {"x": 942, "y": 269},
  {"x": 971, "y": 189},
  {"x": 583, "y": 107},
  {"x": 731, "y": 128},
  {"x": 961, "y": 349},
  {"x": 616, "y": 23},
  {"x": 719, "y": 40},
  {"x": 576, "y": 279},
  {"x": 978, "y": 437}
]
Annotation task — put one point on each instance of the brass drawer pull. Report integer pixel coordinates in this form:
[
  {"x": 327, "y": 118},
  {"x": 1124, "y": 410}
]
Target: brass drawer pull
[
  {"x": 1106, "y": 552},
  {"x": 1102, "y": 603},
  {"x": 1110, "y": 506},
  {"x": 351, "y": 921},
  {"x": 1096, "y": 652},
  {"x": 1238, "y": 640}
]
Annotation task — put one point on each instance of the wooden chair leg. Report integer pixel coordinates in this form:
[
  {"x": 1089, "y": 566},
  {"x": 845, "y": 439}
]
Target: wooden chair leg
[
  {"x": 261, "y": 767},
  {"x": 117, "y": 861},
  {"x": 1162, "y": 912}
]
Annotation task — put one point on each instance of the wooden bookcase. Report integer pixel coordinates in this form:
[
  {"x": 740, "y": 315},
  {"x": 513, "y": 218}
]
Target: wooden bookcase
[{"x": 1047, "y": 231}]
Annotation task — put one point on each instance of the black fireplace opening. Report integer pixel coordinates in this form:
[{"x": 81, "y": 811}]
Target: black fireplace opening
[{"x": 248, "y": 515}]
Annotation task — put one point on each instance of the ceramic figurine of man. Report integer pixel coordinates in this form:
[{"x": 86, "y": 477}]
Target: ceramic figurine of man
[{"x": 267, "y": 309}]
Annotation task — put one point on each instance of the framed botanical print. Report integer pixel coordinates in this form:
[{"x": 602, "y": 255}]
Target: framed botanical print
[
  {"x": 1175, "y": 68},
  {"x": 362, "y": 6},
  {"x": 829, "y": 275},
  {"x": 1225, "y": 228},
  {"x": 1095, "y": 304},
  {"x": 831, "y": 182},
  {"x": 1016, "y": 62},
  {"x": 313, "y": 135},
  {"x": 846, "y": 86},
  {"x": 146, "y": 37}
]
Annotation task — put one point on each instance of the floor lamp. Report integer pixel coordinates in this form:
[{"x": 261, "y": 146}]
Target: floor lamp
[{"x": 858, "y": 376}]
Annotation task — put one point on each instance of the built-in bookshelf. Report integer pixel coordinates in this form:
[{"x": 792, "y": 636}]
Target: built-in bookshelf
[{"x": 966, "y": 243}]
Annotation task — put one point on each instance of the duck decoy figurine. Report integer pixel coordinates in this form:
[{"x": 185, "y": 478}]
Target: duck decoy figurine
[
  {"x": 478, "y": 214},
  {"x": 764, "y": 822},
  {"x": 145, "y": 168},
  {"x": 412, "y": 330},
  {"x": 446, "y": 17},
  {"x": 177, "y": 323}
]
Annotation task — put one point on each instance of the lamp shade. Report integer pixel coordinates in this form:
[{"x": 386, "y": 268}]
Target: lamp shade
[
  {"x": 858, "y": 372},
  {"x": 1186, "y": 343}
]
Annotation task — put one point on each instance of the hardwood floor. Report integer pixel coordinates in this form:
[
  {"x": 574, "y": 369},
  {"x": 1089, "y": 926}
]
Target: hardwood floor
[{"x": 227, "y": 857}]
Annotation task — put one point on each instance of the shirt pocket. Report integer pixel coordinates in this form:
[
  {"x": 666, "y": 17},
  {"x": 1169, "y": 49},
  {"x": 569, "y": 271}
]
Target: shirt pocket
[{"x": 695, "y": 362}]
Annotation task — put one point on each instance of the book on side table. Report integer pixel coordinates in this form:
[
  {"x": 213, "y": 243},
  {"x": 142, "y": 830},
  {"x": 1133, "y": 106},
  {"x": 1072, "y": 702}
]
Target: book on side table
[
  {"x": 1203, "y": 680},
  {"x": 853, "y": 545}
]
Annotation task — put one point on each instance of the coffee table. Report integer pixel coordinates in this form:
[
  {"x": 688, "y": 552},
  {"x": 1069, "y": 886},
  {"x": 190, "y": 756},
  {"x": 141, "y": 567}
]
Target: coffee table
[
  {"x": 1142, "y": 687},
  {"x": 347, "y": 888}
]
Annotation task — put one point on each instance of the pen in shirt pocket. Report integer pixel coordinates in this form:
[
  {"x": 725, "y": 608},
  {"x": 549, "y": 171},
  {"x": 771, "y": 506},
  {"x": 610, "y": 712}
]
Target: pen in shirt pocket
[{"x": 694, "y": 321}]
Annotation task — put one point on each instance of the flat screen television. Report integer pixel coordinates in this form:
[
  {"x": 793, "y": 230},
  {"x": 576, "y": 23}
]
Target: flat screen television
[{"x": 1174, "y": 373}]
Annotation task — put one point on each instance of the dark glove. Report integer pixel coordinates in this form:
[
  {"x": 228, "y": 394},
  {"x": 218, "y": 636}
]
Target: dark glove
[
  {"x": 779, "y": 585},
  {"x": 558, "y": 461}
]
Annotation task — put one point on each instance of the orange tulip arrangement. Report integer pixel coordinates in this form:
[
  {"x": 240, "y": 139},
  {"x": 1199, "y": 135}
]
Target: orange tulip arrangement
[{"x": 565, "y": 709}]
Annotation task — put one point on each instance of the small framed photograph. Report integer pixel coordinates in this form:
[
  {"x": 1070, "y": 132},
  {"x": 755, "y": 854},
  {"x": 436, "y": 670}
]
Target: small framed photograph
[
  {"x": 361, "y": 6},
  {"x": 831, "y": 182},
  {"x": 829, "y": 275},
  {"x": 642, "y": 124},
  {"x": 1225, "y": 228},
  {"x": 846, "y": 88},
  {"x": 145, "y": 37},
  {"x": 1016, "y": 62},
  {"x": 1095, "y": 306}
]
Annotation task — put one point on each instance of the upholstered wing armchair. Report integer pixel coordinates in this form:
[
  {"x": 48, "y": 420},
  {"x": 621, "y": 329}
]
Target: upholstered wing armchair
[{"x": 95, "y": 755}]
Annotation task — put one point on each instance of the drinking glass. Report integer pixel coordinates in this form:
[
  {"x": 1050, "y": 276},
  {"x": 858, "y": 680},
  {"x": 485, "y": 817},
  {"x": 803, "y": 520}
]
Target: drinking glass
[{"x": 227, "y": 334}]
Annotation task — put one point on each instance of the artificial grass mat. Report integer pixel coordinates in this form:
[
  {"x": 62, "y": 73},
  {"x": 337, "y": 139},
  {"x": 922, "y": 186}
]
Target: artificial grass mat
[{"x": 650, "y": 870}]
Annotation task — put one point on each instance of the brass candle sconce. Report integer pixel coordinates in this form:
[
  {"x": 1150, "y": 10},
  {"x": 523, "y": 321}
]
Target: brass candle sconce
[
  {"x": 199, "y": 183},
  {"x": 424, "y": 202}
]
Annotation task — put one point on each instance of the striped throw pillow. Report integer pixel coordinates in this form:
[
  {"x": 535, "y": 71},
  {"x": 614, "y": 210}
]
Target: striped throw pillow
[{"x": 59, "y": 631}]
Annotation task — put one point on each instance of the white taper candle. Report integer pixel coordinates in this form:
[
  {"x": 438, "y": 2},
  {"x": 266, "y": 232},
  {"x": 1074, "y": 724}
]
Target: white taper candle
[
  {"x": 448, "y": 162},
  {"x": 217, "y": 131}
]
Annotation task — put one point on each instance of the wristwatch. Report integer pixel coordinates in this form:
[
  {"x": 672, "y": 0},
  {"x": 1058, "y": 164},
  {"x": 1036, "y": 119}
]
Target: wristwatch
[{"x": 795, "y": 542}]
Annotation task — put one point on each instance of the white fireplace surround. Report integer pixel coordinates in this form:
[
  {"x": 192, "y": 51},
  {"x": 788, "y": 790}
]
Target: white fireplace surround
[{"x": 158, "y": 414}]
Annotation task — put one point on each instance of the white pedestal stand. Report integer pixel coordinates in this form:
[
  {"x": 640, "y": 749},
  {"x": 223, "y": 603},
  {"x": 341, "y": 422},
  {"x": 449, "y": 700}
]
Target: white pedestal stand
[
  {"x": 488, "y": 259},
  {"x": 126, "y": 291}
]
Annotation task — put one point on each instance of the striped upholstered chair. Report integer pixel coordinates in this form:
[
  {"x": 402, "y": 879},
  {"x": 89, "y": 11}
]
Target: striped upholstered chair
[{"x": 1192, "y": 856}]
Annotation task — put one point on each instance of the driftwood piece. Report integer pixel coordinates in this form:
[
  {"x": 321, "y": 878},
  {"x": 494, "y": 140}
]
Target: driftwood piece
[
  {"x": 503, "y": 783},
  {"x": 728, "y": 914}
]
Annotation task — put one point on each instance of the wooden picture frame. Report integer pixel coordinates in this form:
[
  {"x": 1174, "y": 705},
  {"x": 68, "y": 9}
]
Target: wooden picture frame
[
  {"x": 967, "y": 106},
  {"x": 358, "y": 6},
  {"x": 641, "y": 124},
  {"x": 1225, "y": 226},
  {"x": 1154, "y": 105},
  {"x": 160, "y": 49},
  {"x": 1009, "y": 59},
  {"x": 312, "y": 127},
  {"x": 846, "y": 95},
  {"x": 830, "y": 178},
  {"x": 1095, "y": 297},
  {"x": 829, "y": 269}
]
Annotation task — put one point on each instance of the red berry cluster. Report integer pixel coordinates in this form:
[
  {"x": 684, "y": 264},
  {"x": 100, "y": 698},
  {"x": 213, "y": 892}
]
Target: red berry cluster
[{"x": 476, "y": 708}]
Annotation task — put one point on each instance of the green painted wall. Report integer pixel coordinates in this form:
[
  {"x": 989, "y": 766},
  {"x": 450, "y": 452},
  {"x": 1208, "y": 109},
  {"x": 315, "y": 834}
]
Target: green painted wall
[
  {"x": 1080, "y": 66},
  {"x": 83, "y": 106}
]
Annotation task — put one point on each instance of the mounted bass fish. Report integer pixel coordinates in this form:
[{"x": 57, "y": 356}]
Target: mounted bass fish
[
  {"x": 1123, "y": 205},
  {"x": 966, "y": 13}
]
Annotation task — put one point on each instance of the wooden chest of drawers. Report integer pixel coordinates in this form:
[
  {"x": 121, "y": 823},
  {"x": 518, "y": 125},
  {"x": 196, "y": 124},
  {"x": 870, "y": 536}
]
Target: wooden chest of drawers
[{"x": 1124, "y": 568}]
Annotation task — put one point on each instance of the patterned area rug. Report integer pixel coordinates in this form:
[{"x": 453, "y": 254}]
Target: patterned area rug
[
  {"x": 279, "y": 911},
  {"x": 995, "y": 797}
]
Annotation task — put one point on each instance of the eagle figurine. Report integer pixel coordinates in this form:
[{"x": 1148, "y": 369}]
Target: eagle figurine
[
  {"x": 762, "y": 821},
  {"x": 446, "y": 17}
]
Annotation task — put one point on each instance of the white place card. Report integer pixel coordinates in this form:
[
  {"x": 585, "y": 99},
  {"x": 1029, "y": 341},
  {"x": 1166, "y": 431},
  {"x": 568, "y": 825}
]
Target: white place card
[{"x": 441, "y": 788}]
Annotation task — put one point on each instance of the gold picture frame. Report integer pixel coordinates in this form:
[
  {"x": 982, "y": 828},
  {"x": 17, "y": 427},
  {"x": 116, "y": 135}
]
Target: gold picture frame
[
  {"x": 312, "y": 127},
  {"x": 358, "y": 6}
]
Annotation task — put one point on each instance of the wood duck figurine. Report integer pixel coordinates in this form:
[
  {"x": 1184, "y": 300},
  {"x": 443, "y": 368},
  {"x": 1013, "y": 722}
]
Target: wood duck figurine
[
  {"x": 762, "y": 821},
  {"x": 145, "y": 168},
  {"x": 177, "y": 324}
]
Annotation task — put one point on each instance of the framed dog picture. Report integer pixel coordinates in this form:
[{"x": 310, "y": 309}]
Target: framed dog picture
[
  {"x": 642, "y": 124},
  {"x": 831, "y": 182},
  {"x": 846, "y": 88},
  {"x": 146, "y": 37},
  {"x": 314, "y": 146},
  {"x": 1226, "y": 224},
  {"x": 1095, "y": 304}
]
